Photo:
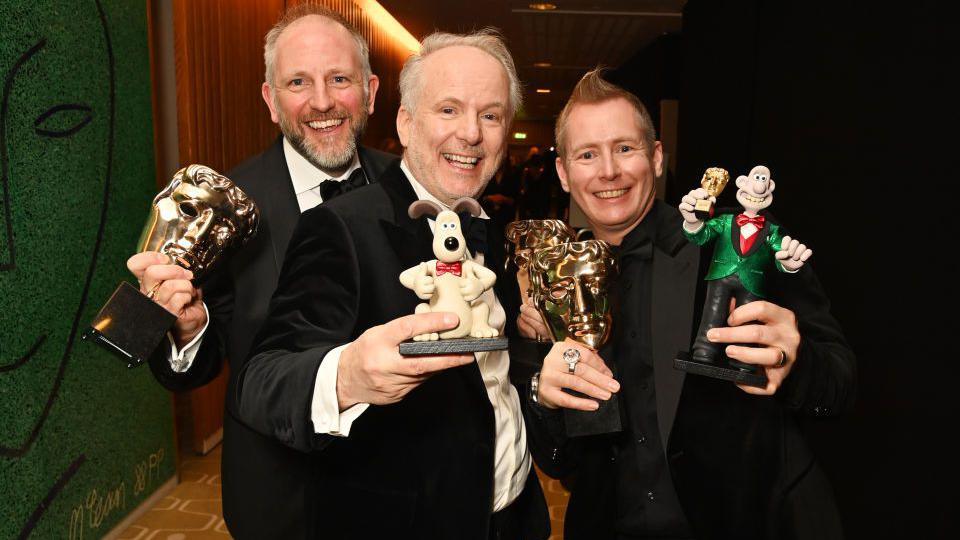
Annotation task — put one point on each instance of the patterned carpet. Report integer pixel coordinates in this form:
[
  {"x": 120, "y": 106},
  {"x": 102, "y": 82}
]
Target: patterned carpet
[{"x": 193, "y": 510}]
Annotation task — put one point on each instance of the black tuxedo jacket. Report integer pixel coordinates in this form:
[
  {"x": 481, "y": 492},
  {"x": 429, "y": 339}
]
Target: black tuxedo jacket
[
  {"x": 264, "y": 493},
  {"x": 421, "y": 468},
  {"x": 739, "y": 463}
]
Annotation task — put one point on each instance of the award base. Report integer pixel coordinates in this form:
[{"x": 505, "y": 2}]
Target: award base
[
  {"x": 703, "y": 209},
  {"x": 453, "y": 346},
  {"x": 130, "y": 325},
  {"x": 606, "y": 419},
  {"x": 720, "y": 370}
]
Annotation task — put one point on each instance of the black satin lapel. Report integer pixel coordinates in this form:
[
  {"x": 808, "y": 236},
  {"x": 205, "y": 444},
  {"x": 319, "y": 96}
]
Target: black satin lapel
[
  {"x": 735, "y": 235},
  {"x": 284, "y": 210},
  {"x": 674, "y": 293},
  {"x": 412, "y": 247}
]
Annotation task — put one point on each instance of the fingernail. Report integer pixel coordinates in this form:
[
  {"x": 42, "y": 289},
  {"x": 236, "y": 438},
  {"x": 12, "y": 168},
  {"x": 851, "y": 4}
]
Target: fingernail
[
  {"x": 594, "y": 405},
  {"x": 614, "y": 386},
  {"x": 449, "y": 318},
  {"x": 713, "y": 334}
]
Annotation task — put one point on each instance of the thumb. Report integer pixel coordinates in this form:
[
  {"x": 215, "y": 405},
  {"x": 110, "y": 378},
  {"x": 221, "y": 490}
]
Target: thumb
[{"x": 404, "y": 328}]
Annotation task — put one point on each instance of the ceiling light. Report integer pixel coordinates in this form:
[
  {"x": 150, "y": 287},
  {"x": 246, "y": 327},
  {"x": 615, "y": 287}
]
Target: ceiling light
[
  {"x": 543, "y": 6},
  {"x": 543, "y": 90},
  {"x": 542, "y": 64}
]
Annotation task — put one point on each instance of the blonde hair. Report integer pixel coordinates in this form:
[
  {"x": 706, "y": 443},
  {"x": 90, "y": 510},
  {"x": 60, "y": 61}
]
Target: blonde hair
[
  {"x": 592, "y": 88},
  {"x": 487, "y": 40},
  {"x": 304, "y": 10}
]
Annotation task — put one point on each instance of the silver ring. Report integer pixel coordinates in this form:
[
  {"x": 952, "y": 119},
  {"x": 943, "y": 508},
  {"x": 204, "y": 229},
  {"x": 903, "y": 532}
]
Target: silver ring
[
  {"x": 535, "y": 388},
  {"x": 783, "y": 358},
  {"x": 572, "y": 358}
]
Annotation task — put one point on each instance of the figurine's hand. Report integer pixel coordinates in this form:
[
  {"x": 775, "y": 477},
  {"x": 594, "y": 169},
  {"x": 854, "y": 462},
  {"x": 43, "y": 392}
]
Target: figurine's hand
[
  {"x": 771, "y": 327},
  {"x": 424, "y": 286},
  {"x": 175, "y": 292},
  {"x": 690, "y": 200},
  {"x": 591, "y": 376},
  {"x": 470, "y": 288},
  {"x": 530, "y": 324},
  {"x": 371, "y": 369},
  {"x": 792, "y": 254}
]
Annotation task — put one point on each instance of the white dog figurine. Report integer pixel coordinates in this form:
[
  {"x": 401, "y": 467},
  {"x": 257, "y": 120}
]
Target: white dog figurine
[{"x": 450, "y": 282}]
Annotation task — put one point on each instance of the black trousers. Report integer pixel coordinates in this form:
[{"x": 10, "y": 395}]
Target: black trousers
[{"x": 716, "y": 309}]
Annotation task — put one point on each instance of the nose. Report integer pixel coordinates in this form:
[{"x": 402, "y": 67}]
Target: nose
[
  {"x": 469, "y": 130},
  {"x": 320, "y": 98},
  {"x": 451, "y": 243},
  {"x": 609, "y": 167},
  {"x": 582, "y": 304},
  {"x": 760, "y": 187}
]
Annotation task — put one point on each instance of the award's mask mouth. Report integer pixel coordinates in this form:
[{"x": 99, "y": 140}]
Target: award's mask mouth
[
  {"x": 197, "y": 217},
  {"x": 570, "y": 290}
]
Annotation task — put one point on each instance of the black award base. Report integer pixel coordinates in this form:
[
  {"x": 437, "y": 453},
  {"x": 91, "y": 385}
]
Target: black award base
[
  {"x": 606, "y": 419},
  {"x": 453, "y": 346},
  {"x": 130, "y": 325},
  {"x": 720, "y": 370}
]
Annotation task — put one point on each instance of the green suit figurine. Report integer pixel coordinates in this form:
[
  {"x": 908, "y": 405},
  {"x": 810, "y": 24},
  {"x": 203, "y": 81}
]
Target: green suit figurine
[{"x": 747, "y": 245}]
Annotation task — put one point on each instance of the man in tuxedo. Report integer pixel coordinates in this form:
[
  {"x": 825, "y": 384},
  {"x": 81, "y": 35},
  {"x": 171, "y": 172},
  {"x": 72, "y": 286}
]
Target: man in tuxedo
[
  {"x": 427, "y": 447},
  {"x": 320, "y": 90},
  {"x": 697, "y": 457}
]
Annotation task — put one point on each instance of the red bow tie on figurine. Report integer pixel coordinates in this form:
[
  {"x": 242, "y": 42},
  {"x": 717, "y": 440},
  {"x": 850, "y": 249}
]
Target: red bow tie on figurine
[
  {"x": 743, "y": 219},
  {"x": 449, "y": 268}
]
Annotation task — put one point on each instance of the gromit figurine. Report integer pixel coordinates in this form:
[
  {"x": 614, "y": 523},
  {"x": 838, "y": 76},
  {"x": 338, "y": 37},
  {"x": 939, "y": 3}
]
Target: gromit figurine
[
  {"x": 451, "y": 282},
  {"x": 747, "y": 244}
]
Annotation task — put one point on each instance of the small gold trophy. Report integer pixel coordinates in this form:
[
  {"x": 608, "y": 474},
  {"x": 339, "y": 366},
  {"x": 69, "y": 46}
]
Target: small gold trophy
[
  {"x": 526, "y": 236},
  {"x": 199, "y": 217},
  {"x": 714, "y": 180},
  {"x": 570, "y": 290}
]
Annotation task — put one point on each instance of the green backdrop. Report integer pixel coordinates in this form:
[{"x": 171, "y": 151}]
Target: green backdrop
[{"x": 83, "y": 440}]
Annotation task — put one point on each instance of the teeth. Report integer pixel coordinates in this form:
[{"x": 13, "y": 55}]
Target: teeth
[
  {"x": 324, "y": 124},
  {"x": 462, "y": 162},
  {"x": 754, "y": 200},
  {"x": 610, "y": 194}
]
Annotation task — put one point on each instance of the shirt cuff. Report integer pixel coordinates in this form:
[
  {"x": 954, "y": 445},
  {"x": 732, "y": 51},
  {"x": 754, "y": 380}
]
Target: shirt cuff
[
  {"x": 689, "y": 227},
  {"x": 325, "y": 409},
  {"x": 181, "y": 360}
]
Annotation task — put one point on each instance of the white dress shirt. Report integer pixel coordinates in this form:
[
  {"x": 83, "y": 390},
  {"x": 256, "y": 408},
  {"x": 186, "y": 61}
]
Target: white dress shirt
[
  {"x": 306, "y": 179},
  {"x": 511, "y": 461}
]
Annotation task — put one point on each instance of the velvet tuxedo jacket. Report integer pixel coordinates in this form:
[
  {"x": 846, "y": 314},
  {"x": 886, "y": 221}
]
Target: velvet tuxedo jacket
[
  {"x": 264, "y": 491},
  {"x": 420, "y": 468},
  {"x": 739, "y": 462}
]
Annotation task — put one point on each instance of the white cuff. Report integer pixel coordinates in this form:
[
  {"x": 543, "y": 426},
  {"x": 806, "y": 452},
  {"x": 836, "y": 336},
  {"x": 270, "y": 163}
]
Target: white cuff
[
  {"x": 687, "y": 225},
  {"x": 181, "y": 361},
  {"x": 325, "y": 409}
]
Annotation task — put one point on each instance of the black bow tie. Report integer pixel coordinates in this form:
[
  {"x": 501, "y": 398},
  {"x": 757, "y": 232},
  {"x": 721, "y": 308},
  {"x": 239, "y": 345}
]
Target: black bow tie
[
  {"x": 475, "y": 232},
  {"x": 330, "y": 189}
]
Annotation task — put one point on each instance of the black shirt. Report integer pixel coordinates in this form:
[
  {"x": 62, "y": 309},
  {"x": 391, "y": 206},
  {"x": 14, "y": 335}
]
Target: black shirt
[{"x": 647, "y": 504}]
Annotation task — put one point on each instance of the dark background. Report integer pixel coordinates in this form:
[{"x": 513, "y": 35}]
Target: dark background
[{"x": 850, "y": 107}]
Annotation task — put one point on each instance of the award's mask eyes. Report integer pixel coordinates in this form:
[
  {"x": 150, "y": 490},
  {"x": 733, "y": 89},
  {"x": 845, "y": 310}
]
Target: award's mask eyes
[{"x": 560, "y": 290}]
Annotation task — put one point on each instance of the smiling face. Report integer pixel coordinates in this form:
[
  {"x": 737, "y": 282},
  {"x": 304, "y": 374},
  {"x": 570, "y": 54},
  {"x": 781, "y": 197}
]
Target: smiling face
[
  {"x": 607, "y": 168},
  {"x": 755, "y": 191},
  {"x": 319, "y": 97},
  {"x": 455, "y": 136}
]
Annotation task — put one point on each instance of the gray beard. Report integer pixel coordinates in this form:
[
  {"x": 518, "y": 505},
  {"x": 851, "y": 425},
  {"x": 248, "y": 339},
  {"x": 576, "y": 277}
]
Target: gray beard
[{"x": 325, "y": 158}]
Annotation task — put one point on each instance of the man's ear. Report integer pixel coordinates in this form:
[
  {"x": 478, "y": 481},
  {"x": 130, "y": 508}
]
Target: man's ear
[
  {"x": 267, "y": 92},
  {"x": 562, "y": 173},
  {"x": 404, "y": 118},
  {"x": 372, "y": 86},
  {"x": 657, "y": 159}
]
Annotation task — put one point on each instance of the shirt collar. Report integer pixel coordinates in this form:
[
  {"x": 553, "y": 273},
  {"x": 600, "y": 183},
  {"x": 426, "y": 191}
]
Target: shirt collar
[
  {"x": 424, "y": 195},
  {"x": 305, "y": 175}
]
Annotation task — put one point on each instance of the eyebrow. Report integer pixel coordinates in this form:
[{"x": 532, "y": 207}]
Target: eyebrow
[
  {"x": 457, "y": 101},
  {"x": 614, "y": 141}
]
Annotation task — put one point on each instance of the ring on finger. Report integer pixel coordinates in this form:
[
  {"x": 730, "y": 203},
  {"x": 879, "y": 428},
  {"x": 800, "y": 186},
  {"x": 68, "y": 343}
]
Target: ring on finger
[
  {"x": 572, "y": 358},
  {"x": 783, "y": 358}
]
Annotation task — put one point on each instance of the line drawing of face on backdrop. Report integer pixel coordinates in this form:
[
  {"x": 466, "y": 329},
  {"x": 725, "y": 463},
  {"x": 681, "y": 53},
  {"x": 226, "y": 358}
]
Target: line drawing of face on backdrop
[{"x": 56, "y": 137}]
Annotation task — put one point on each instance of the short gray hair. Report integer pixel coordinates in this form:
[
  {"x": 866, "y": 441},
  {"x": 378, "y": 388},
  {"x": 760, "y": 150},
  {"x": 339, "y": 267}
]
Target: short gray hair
[
  {"x": 487, "y": 40},
  {"x": 304, "y": 10}
]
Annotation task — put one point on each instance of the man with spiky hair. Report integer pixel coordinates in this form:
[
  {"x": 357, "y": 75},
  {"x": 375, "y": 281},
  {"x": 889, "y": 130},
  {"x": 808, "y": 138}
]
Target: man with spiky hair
[
  {"x": 425, "y": 447},
  {"x": 697, "y": 457},
  {"x": 320, "y": 90}
]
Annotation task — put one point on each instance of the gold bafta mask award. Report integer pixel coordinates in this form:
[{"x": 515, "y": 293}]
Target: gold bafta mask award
[
  {"x": 196, "y": 220},
  {"x": 526, "y": 236},
  {"x": 570, "y": 290},
  {"x": 714, "y": 180}
]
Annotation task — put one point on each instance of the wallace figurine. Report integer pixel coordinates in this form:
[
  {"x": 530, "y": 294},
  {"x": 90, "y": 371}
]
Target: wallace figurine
[{"x": 747, "y": 244}]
